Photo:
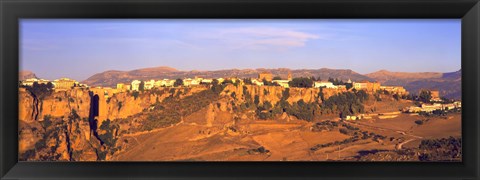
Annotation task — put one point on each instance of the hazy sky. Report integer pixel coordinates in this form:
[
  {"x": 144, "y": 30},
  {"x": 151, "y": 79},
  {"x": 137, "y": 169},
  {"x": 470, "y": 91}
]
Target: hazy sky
[{"x": 80, "y": 48}]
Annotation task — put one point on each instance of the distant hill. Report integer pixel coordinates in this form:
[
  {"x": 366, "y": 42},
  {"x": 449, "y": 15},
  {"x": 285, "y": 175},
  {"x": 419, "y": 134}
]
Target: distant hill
[
  {"x": 22, "y": 75},
  {"x": 388, "y": 77},
  {"x": 111, "y": 78},
  {"x": 449, "y": 84}
]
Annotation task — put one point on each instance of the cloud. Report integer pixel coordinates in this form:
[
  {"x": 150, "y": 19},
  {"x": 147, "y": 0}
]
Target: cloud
[{"x": 260, "y": 37}]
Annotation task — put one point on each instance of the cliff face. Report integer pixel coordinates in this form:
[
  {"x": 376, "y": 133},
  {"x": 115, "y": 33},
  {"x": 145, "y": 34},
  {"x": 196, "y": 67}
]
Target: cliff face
[
  {"x": 62, "y": 140},
  {"x": 120, "y": 105},
  {"x": 58, "y": 127},
  {"x": 58, "y": 104},
  {"x": 274, "y": 94}
]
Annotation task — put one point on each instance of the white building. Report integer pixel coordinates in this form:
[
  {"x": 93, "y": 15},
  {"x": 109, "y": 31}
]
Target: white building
[
  {"x": 29, "y": 82},
  {"x": 326, "y": 84},
  {"x": 136, "y": 85},
  {"x": 283, "y": 83},
  {"x": 191, "y": 82},
  {"x": 164, "y": 83},
  {"x": 257, "y": 82},
  {"x": 149, "y": 84},
  {"x": 207, "y": 80}
]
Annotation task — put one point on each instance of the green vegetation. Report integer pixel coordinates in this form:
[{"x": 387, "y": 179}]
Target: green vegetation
[
  {"x": 40, "y": 91},
  {"x": 47, "y": 122},
  {"x": 269, "y": 83},
  {"x": 425, "y": 96},
  {"x": 74, "y": 115},
  {"x": 302, "y": 110},
  {"x": 217, "y": 87},
  {"x": 135, "y": 94},
  {"x": 301, "y": 82},
  {"x": 227, "y": 81},
  {"x": 445, "y": 149},
  {"x": 324, "y": 126},
  {"x": 344, "y": 104},
  {"x": 141, "y": 86},
  {"x": 419, "y": 122},
  {"x": 356, "y": 134},
  {"x": 248, "y": 81},
  {"x": 109, "y": 136},
  {"x": 172, "y": 110},
  {"x": 178, "y": 82}
]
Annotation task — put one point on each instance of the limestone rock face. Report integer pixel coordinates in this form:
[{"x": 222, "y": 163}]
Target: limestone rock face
[
  {"x": 61, "y": 141},
  {"x": 62, "y": 103},
  {"x": 26, "y": 106},
  {"x": 58, "y": 104},
  {"x": 274, "y": 94}
]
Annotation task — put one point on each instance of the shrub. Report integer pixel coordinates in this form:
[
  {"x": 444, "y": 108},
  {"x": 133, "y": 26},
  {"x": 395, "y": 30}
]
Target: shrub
[
  {"x": 74, "y": 115},
  {"x": 135, "y": 94},
  {"x": 419, "y": 122}
]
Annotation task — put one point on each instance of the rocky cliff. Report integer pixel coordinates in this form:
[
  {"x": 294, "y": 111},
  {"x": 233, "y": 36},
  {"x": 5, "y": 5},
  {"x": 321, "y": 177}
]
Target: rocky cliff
[
  {"x": 274, "y": 94},
  {"x": 60, "y": 126}
]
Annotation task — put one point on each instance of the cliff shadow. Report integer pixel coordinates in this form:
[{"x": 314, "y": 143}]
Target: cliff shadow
[{"x": 93, "y": 114}]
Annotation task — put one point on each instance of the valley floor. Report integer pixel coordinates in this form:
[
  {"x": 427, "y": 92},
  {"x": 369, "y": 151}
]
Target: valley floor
[{"x": 281, "y": 140}]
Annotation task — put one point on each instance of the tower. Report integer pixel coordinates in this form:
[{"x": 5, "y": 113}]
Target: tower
[{"x": 289, "y": 76}]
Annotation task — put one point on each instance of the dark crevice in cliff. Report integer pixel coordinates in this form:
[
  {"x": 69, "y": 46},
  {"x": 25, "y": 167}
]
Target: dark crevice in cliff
[
  {"x": 35, "y": 111},
  {"x": 69, "y": 148},
  {"x": 94, "y": 113}
]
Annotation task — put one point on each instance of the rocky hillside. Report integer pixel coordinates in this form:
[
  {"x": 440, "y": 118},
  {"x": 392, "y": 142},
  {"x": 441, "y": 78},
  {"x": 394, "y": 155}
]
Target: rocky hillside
[
  {"x": 57, "y": 126},
  {"x": 111, "y": 78},
  {"x": 449, "y": 84}
]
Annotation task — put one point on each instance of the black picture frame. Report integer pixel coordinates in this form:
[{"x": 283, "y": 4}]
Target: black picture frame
[{"x": 12, "y": 10}]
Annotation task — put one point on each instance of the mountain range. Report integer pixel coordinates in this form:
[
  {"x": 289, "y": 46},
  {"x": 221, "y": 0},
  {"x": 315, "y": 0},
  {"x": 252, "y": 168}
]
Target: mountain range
[{"x": 449, "y": 84}]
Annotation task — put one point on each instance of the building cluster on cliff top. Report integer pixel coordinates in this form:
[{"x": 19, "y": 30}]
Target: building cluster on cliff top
[{"x": 261, "y": 80}]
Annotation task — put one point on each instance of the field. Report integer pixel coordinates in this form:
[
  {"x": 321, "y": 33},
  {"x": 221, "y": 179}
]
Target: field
[{"x": 276, "y": 140}]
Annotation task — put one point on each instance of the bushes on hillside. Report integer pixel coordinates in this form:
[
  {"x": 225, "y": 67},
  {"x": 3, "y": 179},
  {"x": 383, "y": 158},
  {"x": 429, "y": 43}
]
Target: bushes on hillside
[
  {"x": 445, "y": 149},
  {"x": 302, "y": 110},
  {"x": 344, "y": 104}
]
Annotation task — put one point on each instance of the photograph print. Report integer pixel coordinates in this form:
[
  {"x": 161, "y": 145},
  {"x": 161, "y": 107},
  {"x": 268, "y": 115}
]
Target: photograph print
[{"x": 240, "y": 90}]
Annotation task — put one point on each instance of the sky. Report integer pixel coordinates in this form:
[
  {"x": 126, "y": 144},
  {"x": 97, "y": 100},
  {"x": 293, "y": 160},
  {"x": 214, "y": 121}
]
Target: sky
[{"x": 80, "y": 48}]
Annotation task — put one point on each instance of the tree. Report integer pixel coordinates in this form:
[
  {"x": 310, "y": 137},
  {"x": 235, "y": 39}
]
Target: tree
[
  {"x": 216, "y": 86},
  {"x": 141, "y": 86},
  {"x": 301, "y": 82},
  {"x": 425, "y": 96},
  {"x": 179, "y": 82},
  {"x": 277, "y": 78},
  {"x": 227, "y": 81},
  {"x": 267, "y": 105},
  {"x": 248, "y": 81},
  {"x": 396, "y": 96},
  {"x": 348, "y": 85},
  {"x": 40, "y": 91},
  {"x": 256, "y": 100}
]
